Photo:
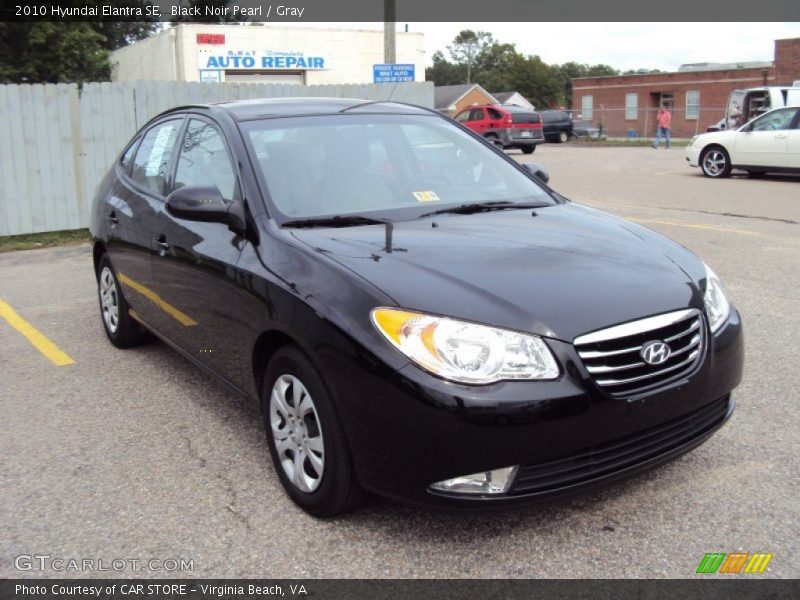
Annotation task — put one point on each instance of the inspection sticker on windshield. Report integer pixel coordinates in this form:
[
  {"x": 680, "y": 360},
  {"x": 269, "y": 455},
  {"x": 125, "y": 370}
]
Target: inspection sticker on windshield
[{"x": 426, "y": 196}]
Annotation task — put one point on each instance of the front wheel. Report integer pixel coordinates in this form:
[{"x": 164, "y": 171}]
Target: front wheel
[
  {"x": 306, "y": 439},
  {"x": 715, "y": 163},
  {"x": 528, "y": 149},
  {"x": 563, "y": 137}
]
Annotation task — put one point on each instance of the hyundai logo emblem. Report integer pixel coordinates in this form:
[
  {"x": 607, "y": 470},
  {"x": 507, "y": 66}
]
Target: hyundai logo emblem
[{"x": 655, "y": 353}]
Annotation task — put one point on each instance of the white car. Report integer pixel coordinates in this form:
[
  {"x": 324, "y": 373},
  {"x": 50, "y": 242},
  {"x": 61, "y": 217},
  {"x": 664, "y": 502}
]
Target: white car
[{"x": 770, "y": 143}]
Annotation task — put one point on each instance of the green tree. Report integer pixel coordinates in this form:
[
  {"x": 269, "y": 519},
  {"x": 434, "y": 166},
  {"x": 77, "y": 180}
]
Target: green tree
[
  {"x": 60, "y": 51},
  {"x": 570, "y": 70},
  {"x": 445, "y": 73},
  {"x": 52, "y": 52},
  {"x": 467, "y": 46}
]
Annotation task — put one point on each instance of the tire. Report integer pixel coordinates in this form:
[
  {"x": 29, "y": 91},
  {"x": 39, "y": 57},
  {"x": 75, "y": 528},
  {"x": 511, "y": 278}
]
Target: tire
[
  {"x": 323, "y": 481},
  {"x": 528, "y": 149},
  {"x": 122, "y": 330},
  {"x": 563, "y": 137},
  {"x": 715, "y": 162}
]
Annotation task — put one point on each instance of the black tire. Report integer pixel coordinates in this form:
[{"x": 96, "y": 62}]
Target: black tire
[
  {"x": 563, "y": 137},
  {"x": 528, "y": 149},
  {"x": 715, "y": 162},
  {"x": 124, "y": 331},
  {"x": 756, "y": 174},
  {"x": 337, "y": 490}
]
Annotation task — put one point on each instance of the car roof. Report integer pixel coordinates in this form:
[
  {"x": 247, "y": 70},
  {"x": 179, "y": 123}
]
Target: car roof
[{"x": 266, "y": 108}]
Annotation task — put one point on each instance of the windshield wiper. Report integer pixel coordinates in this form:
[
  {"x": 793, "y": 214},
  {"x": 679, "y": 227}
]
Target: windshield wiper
[
  {"x": 476, "y": 207},
  {"x": 337, "y": 221}
]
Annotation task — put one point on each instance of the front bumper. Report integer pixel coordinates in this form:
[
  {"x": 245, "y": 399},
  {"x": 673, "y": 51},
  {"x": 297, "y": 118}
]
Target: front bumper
[
  {"x": 693, "y": 156},
  {"x": 567, "y": 435}
]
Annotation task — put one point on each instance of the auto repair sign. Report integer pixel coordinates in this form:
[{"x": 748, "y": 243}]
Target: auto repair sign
[{"x": 262, "y": 60}]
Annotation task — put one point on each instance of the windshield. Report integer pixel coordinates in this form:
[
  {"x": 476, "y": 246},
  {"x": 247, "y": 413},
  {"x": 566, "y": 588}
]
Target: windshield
[{"x": 382, "y": 166}]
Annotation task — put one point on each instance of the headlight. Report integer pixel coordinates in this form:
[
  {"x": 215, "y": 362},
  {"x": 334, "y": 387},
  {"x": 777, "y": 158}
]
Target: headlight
[
  {"x": 717, "y": 306},
  {"x": 693, "y": 140},
  {"x": 465, "y": 352}
]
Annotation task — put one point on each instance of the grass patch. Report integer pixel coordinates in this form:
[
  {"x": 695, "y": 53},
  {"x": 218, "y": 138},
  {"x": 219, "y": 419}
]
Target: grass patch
[
  {"x": 30, "y": 241},
  {"x": 626, "y": 143}
]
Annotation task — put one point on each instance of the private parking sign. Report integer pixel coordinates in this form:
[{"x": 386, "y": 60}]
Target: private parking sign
[{"x": 392, "y": 73}]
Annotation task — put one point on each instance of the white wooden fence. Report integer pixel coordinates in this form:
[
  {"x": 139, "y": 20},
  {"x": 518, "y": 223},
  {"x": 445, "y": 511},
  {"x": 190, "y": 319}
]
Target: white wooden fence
[{"x": 57, "y": 142}]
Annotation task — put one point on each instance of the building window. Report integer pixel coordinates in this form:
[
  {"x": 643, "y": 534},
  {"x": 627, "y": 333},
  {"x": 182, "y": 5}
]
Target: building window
[
  {"x": 631, "y": 106},
  {"x": 587, "y": 107},
  {"x": 692, "y": 105}
]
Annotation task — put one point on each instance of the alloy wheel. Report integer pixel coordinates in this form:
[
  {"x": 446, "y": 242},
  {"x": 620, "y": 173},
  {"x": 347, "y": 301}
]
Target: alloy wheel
[
  {"x": 109, "y": 299},
  {"x": 714, "y": 163},
  {"x": 297, "y": 433}
]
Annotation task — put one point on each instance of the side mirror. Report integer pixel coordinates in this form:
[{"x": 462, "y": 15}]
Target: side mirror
[
  {"x": 205, "y": 204},
  {"x": 538, "y": 170}
]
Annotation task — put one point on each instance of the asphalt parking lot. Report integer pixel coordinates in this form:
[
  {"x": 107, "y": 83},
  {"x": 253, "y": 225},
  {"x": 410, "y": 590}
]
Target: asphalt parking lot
[{"x": 137, "y": 454}]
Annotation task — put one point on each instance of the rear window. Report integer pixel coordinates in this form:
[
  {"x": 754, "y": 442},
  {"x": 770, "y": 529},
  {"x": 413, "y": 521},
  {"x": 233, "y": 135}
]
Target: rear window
[
  {"x": 525, "y": 117},
  {"x": 553, "y": 116},
  {"x": 153, "y": 156}
]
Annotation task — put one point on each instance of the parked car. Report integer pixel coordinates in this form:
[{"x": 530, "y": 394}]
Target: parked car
[
  {"x": 557, "y": 125},
  {"x": 770, "y": 143},
  {"x": 509, "y": 126},
  {"x": 416, "y": 314},
  {"x": 584, "y": 129}
]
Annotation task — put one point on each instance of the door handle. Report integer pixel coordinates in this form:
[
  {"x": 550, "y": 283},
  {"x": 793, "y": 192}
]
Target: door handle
[
  {"x": 113, "y": 217},
  {"x": 163, "y": 245},
  {"x": 781, "y": 136}
]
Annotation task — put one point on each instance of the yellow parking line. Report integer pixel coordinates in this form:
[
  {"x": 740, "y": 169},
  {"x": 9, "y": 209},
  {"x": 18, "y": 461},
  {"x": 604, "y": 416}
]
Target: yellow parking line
[
  {"x": 173, "y": 312},
  {"x": 34, "y": 336},
  {"x": 694, "y": 226}
]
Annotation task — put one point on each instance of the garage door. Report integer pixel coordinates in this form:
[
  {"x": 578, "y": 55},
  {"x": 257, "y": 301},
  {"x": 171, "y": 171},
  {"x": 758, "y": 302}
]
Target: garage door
[{"x": 293, "y": 77}]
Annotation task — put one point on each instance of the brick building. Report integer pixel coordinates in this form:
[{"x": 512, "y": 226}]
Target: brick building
[{"x": 696, "y": 94}]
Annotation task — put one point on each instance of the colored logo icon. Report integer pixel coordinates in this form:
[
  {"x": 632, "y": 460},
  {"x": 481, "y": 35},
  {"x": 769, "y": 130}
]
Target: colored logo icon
[{"x": 735, "y": 562}]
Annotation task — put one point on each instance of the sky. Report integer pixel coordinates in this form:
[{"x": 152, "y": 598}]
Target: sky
[{"x": 663, "y": 46}]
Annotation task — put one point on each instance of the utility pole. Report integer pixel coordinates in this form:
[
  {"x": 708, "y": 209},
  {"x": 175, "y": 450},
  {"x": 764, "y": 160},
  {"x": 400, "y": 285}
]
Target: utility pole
[{"x": 389, "y": 32}]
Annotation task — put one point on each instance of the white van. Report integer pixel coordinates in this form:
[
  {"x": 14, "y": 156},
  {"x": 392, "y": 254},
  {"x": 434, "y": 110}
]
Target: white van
[{"x": 746, "y": 105}]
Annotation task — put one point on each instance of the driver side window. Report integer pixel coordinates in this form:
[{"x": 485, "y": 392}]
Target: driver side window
[
  {"x": 204, "y": 160},
  {"x": 780, "y": 119}
]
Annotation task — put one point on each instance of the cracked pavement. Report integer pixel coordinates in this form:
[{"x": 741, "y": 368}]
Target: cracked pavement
[{"x": 138, "y": 454}]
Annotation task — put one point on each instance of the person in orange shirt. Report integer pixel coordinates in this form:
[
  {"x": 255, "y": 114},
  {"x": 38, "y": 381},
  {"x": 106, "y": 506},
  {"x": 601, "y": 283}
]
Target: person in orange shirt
[{"x": 664, "y": 119}]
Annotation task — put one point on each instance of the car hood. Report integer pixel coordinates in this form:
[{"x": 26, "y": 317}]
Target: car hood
[
  {"x": 717, "y": 137},
  {"x": 558, "y": 271}
]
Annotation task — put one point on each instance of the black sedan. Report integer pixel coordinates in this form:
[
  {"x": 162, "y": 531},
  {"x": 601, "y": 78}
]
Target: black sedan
[{"x": 417, "y": 315}]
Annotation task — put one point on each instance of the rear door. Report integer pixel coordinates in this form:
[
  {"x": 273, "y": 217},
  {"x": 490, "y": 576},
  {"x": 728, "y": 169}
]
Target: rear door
[
  {"x": 765, "y": 142},
  {"x": 195, "y": 270},
  {"x": 132, "y": 209},
  {"x": 477, "y": 120}
]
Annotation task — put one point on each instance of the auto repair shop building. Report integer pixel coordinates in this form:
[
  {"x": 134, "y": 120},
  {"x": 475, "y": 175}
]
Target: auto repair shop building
[
  {"x": 696, "y": 94},
  {"x": 262, "y": 54}
]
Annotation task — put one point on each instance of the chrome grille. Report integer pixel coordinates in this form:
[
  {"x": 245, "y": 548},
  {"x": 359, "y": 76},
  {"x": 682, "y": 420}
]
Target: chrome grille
[{"x": 613, "y": 356}]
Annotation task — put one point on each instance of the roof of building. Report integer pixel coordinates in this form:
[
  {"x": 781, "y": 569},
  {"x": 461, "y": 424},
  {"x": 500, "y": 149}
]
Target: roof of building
[
  {"x": 503, "y": 97},
  {"x": 712, "y": 66},
  {"x": 445, "y": 96}
]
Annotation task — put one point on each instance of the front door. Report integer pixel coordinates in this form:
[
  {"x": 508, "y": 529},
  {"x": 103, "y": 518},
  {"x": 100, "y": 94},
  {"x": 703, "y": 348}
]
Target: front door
[
  {"x": 765, "y": 141},
  {"x": 195, "y": 270}
]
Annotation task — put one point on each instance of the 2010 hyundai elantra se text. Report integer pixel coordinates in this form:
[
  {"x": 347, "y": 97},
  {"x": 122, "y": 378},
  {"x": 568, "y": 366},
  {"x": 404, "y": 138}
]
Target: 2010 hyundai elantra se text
[{"x": 418, "y": 315}]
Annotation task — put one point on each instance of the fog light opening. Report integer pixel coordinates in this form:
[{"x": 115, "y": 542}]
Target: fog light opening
[{"x": 497, "y": 481}]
